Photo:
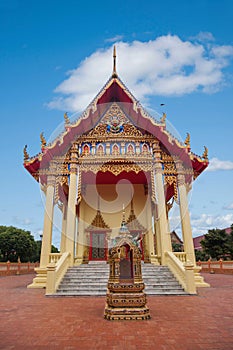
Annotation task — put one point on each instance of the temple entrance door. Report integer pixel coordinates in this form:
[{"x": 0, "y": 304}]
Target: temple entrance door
[{"x": 98, "y": 249}]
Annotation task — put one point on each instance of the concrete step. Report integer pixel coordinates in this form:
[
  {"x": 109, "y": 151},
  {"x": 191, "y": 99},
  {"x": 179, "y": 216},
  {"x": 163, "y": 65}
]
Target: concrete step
[{"x": 91, "y": 279}]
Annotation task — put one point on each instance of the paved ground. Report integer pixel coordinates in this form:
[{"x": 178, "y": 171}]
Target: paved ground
[{"x": 29, "y": 320}]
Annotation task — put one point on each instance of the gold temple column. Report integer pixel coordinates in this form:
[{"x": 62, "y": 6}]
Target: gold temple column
[
  {"x": 41, "y": 272},
  {"x": 150, "y": 240},
  {"x": 81, "y": 236},
  {"x": 157, "y": 233},
  {"x": 63, "y": 230},
  {"x": 184, "y": 215},
  {"x": 71, "y": 209},
  {"x": 165, "y": 239},
  {"x": 48, "y": 223}
]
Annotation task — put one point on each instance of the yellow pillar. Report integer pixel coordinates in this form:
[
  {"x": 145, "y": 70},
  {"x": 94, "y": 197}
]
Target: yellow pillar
[
  {"x": 186, "y": 226},
  {"x": 150, "y": 241},
  {"x": 48, "y": 223},
  {"x": 40, "y": 280},
  {"x": 81, "y": 236},
  {"x": 71, "y": 209},
  {"x": 165, "y": 239},
  {"x": 63, "y": 230},
  {"x": 158, "y": 235},
  {"x": 184, "y": 215}
]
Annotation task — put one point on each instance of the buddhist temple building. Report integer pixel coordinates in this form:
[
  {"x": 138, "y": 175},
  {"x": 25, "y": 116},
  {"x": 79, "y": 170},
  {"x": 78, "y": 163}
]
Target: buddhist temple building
[{"x": 116, "y": 154}]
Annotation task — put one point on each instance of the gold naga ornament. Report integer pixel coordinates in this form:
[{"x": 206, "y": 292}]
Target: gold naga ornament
[
  {"x": 187, "y": 140},
  {"x": 25, "y": 153},
  {"x": 42, "y": 140},
  {"x": 163, "y": 118},
  {"x": 205, "y": 153},
  {"x": 66, "y": 118}
]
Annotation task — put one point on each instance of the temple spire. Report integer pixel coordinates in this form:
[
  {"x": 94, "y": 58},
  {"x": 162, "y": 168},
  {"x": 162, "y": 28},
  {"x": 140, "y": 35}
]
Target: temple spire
[
  {"x": 114, "y": 73},
  {"x": 124, "y": 229}
]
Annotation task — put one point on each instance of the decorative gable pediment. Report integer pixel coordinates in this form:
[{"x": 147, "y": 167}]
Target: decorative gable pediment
[{"x": 114, "y": 123}]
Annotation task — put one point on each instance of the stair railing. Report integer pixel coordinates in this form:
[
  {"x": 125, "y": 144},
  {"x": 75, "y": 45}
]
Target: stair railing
[
  {"x": 184, "y": 272},
  {"x": 182, "y": 256},
  {"x": 55, "y": 273},
  {"x": 54, "y": 257}
]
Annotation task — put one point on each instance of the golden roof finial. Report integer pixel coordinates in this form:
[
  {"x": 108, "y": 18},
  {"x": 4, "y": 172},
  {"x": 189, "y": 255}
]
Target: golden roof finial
[
  {"x": 114, "y": 73},
  {"x": 25, "y": 153},
  {"x": 187, "y": 140},
  {"x": 205, "y": 153},
  {"x": 67, "y": 120},
  {"x": 42, "y": 140}
]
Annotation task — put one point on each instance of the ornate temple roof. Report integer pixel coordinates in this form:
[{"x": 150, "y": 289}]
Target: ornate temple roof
[
  {"x": 114, "y": 91},
  {"x": 132, "y": 223},
  {"x": 98, "y": 224}
]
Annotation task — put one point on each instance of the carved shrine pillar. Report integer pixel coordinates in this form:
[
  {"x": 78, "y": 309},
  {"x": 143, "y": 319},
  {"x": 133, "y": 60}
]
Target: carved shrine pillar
[
  {"x": 71, "y": 209},
  {"x": 165, "y": 239},
  {"x": 184, "y": 215},
  {"x": 48, "y": 222}
]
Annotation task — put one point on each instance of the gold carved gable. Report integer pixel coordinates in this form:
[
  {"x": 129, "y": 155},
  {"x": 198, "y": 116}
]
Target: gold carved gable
[{"x": 114, "y": 123}]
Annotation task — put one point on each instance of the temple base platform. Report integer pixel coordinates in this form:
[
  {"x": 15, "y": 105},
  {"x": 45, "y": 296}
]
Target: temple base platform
[{"x": 126, "y": 302}]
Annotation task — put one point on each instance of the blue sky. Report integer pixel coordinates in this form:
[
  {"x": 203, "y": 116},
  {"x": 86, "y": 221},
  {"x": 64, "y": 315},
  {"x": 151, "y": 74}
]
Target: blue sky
[{"x": 52, "y": 59}]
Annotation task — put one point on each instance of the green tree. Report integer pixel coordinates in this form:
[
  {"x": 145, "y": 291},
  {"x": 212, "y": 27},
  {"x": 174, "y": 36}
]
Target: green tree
[
  {"x": 176, "y": 247},
  {"x": 230, "y": 243},
  {"x": 201, "y": 255},
  {"x": 36, "y": 256},
  {"x": 216, "y": 244},
  {"x": 15, "y": 242}
]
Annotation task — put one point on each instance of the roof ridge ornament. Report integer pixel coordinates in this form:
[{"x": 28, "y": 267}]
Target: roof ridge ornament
[
  {"x": 163, "y": 118},
  {"x": 205, "y": 153},
  {"x": 42, "y": 140},
  {"x": 114, "y": 73},
  {"x": 66, "y": 119},
  {"x": 25, "y": 153},
  {"x": 187, "y": 140}
]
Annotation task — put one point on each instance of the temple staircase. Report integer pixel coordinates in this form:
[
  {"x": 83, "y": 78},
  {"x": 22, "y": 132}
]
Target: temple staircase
[{"x": 91, "y": 280}]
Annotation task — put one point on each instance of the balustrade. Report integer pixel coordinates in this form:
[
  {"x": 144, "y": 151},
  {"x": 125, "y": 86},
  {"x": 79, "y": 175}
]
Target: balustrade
[
  {"x": 220, "y": 266},
  {"x": 181, "y": 256},
  {"x": 9, "y": 268},
  {"x": 54, "y": 257}
]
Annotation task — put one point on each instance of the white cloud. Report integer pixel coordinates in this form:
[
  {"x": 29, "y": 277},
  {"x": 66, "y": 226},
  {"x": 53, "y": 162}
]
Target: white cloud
[
  {"x": 217, "y": 164},
  {"x": 206, "y": 222},
  {"x": 203, "y": 37},
  {"x": 228, "y": 207},
  {"x": 21, "y": 221},
  {"x": 114, "y": 39},
  {"x": 164, "y": 66},
  {"x": 201, "y": 224}
]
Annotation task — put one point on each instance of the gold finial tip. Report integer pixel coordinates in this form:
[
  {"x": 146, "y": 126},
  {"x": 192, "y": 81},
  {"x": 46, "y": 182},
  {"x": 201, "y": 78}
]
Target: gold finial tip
[{"x": 114, "y": 73}]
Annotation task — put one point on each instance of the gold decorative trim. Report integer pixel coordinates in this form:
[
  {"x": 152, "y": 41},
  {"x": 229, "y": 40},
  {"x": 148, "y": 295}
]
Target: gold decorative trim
[{"x": 115, "y": 169}]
